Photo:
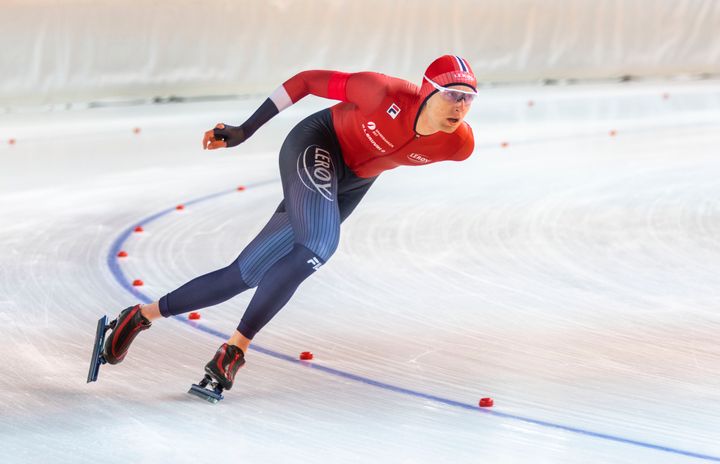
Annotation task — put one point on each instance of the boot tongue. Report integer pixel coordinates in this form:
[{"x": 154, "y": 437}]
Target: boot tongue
[
  {"x": 143, "y": 320},
  {"x": 233, "y": 350}
]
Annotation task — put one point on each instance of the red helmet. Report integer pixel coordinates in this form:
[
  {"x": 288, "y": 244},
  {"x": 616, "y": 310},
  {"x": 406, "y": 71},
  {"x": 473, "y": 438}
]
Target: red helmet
[{"x": 447, "y": 70}]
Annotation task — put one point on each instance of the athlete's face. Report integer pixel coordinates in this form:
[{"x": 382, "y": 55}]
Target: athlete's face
[{"x": 444, "y": 113}]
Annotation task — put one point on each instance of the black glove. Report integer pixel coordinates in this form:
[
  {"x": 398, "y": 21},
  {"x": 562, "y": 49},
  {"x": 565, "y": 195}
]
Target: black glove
[{"x": 232, "y": 135}]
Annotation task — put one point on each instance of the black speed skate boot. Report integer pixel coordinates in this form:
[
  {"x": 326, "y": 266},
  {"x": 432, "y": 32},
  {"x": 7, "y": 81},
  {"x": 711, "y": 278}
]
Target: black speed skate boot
[
  {"x": 125, "y": 328},
  {"x": 222, "y": 368}
]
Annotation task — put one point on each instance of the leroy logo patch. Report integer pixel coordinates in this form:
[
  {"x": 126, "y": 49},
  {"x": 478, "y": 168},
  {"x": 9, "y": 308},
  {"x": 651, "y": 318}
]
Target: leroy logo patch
[
  {"x": 315, "y": 169},
  {"x": 418, "y": 158}
]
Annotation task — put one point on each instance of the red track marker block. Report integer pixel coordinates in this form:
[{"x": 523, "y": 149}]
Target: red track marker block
[
  {"x": 180, "y": 207},
  {"x": 122, "y": 254},
  {"x": 306, "y": 356},
  {"x": 139, "y": 229},
  {"x": 613, "y": 133},
  {"x": 486, "y": 402},
  {"x": 138, "y": 283},
  {"x": 194, "y": 316},
  {"x": 504, "y": 144},
  {"x": 136, "y": 130},
  {"x": 241, "y": 188},
  {"x": 12, "y": 141}
]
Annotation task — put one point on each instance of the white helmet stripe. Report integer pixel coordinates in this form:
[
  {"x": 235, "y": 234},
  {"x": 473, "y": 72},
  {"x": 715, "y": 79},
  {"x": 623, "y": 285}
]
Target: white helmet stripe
[{"x": 462, "y": 64}]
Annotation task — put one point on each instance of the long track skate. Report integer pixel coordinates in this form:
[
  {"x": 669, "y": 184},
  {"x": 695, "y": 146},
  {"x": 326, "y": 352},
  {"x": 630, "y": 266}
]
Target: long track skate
[
  {"x": 200, "y": 390},
  {"x": 97, "y": 358}
]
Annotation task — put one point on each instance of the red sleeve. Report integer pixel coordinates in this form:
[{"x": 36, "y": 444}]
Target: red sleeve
[
  {"x": 364, "y": 89},
  {"x": 467, "y": 146}
]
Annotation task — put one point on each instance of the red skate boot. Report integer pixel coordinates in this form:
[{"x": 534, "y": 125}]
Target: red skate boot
[
  {"x": 219, "y": 373},
  {"x": 228, "y": 359},
  {"x": 125, "y": 328}
]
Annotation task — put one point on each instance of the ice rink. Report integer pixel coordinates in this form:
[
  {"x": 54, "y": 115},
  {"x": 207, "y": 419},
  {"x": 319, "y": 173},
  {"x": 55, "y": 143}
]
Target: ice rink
[{"x": 570, "y": 270}]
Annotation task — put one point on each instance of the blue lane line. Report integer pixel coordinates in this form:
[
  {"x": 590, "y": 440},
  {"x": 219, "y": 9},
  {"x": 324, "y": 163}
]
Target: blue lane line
[{"x": 117, "y": 272}]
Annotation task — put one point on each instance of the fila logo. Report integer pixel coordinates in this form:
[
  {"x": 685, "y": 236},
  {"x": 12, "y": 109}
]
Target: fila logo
[
  {"x": 314, "y": 262},
  {"x": 393, "y": 111},
  {"x": 418, "y": 158},
  {"x": 371, "y": 125}
]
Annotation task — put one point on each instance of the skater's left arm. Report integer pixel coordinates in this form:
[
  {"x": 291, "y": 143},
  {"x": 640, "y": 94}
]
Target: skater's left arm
[{"x": 229, "y": 136}]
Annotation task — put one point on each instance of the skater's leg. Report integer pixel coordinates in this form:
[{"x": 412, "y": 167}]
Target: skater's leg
[
  {"x": 275, "y": 289},
  {"x": 309, "y": 161},
  {"x": 273, "y": 242},
  {"x": 240, "y": 341},
  {"x": 207, "y": 290},
  {"x": 347, "y": 201},
  {"x": 352, "y": 190},
  {"x": 151, "y": 311}
]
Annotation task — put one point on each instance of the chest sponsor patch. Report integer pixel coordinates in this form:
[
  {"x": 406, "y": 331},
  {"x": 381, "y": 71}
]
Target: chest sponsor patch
[
  {"x": 418, "y": 158},
  {"x": 393, "y": 111}
]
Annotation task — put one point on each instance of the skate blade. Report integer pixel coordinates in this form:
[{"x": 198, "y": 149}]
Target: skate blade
[
  {"x": 97, "y": 359},
  {"x": 211, "y": 396}
]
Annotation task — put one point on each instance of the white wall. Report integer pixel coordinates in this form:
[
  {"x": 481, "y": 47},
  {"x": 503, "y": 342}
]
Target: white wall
[{"x": 70, "y": 50}]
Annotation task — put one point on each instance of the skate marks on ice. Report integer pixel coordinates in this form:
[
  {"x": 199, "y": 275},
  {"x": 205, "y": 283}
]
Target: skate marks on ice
[
  {"x": 214, "y": 396},
  {"x": 568, "y": 298}
]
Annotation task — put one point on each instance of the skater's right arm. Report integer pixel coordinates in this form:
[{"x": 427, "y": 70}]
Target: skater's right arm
[{"x": 364, "y": 89}]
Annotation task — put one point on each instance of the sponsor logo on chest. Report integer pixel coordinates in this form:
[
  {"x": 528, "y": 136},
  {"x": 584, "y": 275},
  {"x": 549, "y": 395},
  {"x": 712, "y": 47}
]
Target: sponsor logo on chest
[
  {"x": 418, "y": 158},
  {"x": 376, "y": 137},
  {"x": 393, "y": 111}
]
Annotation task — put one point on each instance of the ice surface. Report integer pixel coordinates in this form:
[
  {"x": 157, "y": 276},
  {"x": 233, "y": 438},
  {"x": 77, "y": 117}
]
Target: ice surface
[{"x": 572, "y": 276}]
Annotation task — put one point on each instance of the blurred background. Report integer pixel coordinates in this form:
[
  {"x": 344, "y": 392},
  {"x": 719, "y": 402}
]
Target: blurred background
[
  {"x": 568, "y": 269},
  {"x": 59, "y": 51}
]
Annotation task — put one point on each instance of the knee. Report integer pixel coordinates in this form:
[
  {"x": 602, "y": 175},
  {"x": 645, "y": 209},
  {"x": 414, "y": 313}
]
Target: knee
[
  {"x": 251, "y": 271},
  {"x": 260, "y": 255},
  {"x": 231, "y": 278},
  {"x": 323, "y": 247}
]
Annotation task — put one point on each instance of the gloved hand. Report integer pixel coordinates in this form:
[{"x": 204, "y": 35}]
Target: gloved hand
[{"x": 223, "y": 136}]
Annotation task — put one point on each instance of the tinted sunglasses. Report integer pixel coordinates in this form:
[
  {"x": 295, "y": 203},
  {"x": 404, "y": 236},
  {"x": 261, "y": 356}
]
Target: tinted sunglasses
[{"x": 454, "y": 95}]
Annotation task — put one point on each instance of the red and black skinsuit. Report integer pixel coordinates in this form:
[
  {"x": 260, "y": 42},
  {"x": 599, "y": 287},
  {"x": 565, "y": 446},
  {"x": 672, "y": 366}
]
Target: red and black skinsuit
[{"x": 327, "y": 164}]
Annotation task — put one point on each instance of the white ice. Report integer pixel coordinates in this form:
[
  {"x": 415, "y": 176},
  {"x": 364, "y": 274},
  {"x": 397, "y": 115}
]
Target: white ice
[{"x": 572, "y": 276}]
